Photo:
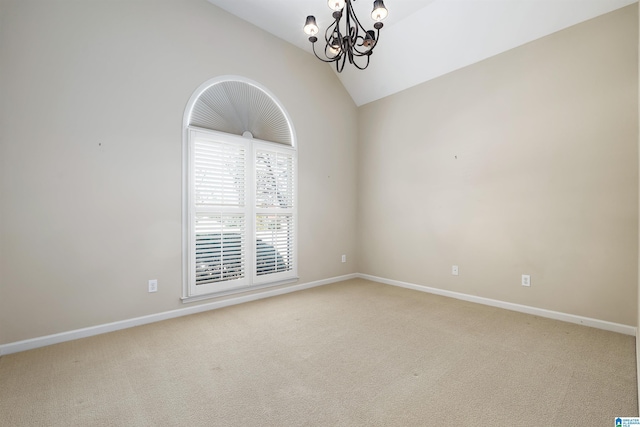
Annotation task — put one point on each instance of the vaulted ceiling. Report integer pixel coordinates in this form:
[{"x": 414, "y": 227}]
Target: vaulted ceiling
[{"x": 423, "y": 39}]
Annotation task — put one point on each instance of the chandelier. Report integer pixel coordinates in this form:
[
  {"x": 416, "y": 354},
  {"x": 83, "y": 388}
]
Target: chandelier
[{"x": 351, "y": 42}]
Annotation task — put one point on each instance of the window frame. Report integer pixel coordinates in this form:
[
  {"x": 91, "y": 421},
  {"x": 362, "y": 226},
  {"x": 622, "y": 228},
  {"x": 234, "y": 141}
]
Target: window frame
[{"x": 251, "y": 280}]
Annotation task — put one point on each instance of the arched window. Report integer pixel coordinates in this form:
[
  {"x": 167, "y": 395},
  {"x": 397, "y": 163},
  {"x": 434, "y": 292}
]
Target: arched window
[{"x": 240, "y": 195}]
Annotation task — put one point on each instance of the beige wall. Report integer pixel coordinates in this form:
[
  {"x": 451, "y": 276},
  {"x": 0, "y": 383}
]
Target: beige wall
[
  {"x": 525, "y": 163},
  {"x": 91, "y": 101},
  {"x": 92, "y": 96}
]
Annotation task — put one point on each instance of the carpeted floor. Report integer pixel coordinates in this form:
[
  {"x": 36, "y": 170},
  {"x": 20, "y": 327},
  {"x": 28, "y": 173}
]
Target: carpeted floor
[{"x": 355, "y": 353}]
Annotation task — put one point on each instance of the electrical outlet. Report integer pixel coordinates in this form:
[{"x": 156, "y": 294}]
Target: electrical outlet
[
  {"x": 526, "y": 280},
  {"x": 153, "y": 285},
  {"x": 344, "y": 258},
  {"x": 454, "y": 270}
]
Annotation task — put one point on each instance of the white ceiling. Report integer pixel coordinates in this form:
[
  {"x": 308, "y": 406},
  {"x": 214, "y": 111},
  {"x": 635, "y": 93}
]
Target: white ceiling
[{"x": 423, "y": 39}]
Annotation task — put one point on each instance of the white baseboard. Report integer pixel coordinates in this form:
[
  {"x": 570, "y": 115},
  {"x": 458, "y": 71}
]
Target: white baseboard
[
  {"x": 30, "y": 344},
  {"x": 594, "y": 323}
]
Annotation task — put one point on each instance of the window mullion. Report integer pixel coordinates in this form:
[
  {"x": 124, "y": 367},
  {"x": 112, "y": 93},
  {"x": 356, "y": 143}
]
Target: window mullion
[{"x": 250, "y": 192}]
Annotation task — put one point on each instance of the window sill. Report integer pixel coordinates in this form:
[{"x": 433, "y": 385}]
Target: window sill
[{"x": 196, "y": 298}]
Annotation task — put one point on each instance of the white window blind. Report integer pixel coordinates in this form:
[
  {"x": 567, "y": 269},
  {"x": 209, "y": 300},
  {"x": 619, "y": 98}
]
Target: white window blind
[
  {"x": 219, "y": 247},
  {"x": 219, "y": 174},
  {"x": 274, "y": 243},
  {"x": 274, "y": 179},
  {"x": 274, "y": 201},
  {"x": 242, "y": 210}
]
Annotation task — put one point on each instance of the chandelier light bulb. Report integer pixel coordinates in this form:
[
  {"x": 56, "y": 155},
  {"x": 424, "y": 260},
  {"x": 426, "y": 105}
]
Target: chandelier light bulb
[
  {"x": 336, "y": 5},
  {"x": 310, "y": 27},
  {"x": 379, "y": 11},
  {"x": 334, "y": 47}
]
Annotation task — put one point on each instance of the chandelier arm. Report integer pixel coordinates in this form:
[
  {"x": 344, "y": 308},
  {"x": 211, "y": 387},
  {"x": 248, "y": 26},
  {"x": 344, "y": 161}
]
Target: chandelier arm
[
  {"x": 355, "y": 47},
  {"x": 340, "y": 66},
  {"x": 355, "y": 18},
  {"x": 350, "y": 14},
  {"x": 368, "y": 51},
  {"x": 328, "y": 60},
  {"x": 332, "y": 34},
  {"x": 359, "y": 67},
  {"x": 331, "y": 29},
  {"x": 353, "y": 32},
  {"x": 357, "y": 37},
  {"x": 341, "y": 37}
]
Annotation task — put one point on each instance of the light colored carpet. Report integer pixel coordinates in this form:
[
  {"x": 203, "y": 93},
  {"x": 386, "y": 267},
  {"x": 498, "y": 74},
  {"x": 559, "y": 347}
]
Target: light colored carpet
[{"x": 355, "y": 353}]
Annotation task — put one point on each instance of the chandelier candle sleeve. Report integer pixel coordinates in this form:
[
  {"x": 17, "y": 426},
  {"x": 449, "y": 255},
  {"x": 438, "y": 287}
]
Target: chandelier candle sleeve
[
  {"x": 346, "y": 39},
  {"x": 336, "y": 4},
  {"x": 311, "y": 28},
  {"x": 379, "y": 11}
]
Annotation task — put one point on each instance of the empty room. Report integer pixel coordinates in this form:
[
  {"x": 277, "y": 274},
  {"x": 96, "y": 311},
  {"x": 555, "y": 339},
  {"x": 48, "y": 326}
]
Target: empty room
[{"x": 319, "y": 213}]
